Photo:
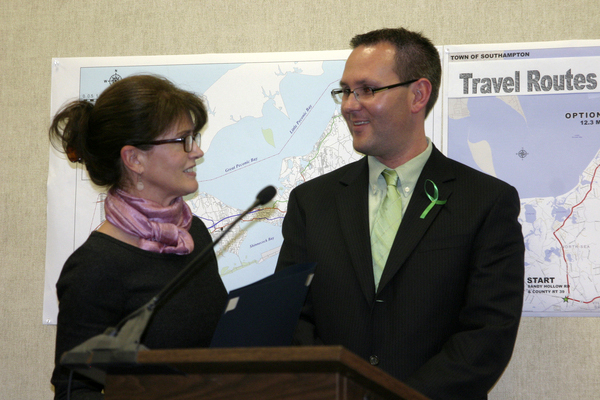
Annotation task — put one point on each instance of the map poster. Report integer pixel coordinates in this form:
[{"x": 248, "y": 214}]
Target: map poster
[
  {"x": 529, "y": 114},
  {"x": 271, "y": 121}
]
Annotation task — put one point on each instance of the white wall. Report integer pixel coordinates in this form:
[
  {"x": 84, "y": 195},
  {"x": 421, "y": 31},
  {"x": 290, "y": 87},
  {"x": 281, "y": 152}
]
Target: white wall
[{"x": 555, "y": 358}]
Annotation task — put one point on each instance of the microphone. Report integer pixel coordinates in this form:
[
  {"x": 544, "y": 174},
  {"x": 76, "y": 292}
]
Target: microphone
[
  {"x": 118, "y": 346},
  {"x": 265, "y": 196}
]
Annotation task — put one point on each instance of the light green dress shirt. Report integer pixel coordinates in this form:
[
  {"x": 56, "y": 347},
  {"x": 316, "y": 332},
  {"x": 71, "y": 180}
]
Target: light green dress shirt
[{"x": 408, "y": 174}]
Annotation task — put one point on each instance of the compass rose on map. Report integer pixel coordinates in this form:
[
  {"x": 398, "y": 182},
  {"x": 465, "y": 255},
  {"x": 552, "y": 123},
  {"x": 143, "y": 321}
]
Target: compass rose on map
[
  {"x": 522, "y": 153},
  {"x": 114, "y": 77}
]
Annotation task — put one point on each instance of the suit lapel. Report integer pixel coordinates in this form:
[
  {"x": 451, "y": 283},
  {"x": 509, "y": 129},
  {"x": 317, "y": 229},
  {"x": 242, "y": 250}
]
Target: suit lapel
[
  {"x": 353, "y": 211},
  {"x": 413, "y": 227}
]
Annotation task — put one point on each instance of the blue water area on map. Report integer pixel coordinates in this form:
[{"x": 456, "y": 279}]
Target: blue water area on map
[
  {"x": 530, "y": 213},
  {"x": 223, "y": 172},
  {"x": 554, "y": 251},
  {"x": 560, "y": 213},
  {"x": 542, "y": 152}
]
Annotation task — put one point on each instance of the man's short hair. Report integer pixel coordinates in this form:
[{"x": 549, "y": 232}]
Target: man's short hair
[{"x": 416, "y": 56}]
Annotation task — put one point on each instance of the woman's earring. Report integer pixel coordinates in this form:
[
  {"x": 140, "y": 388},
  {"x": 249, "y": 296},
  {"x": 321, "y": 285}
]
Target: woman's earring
[{"x": 140, "y": 184}]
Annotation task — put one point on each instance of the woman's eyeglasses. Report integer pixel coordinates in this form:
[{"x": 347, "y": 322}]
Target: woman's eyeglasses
[{"x": 187, "y": 140}]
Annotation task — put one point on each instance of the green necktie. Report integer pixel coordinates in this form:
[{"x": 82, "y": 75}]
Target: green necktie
[{"x": 386, "y": 224}]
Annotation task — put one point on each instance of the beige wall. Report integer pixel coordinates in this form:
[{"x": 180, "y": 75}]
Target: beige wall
[{"x": 554, "y": 358}]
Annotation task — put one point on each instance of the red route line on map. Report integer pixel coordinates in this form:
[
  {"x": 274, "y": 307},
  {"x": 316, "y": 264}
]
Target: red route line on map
[{"x": 562, "y": 246}]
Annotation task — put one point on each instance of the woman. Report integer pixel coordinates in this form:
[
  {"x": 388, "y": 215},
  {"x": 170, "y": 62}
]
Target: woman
[{"x": 140, "y": 140}]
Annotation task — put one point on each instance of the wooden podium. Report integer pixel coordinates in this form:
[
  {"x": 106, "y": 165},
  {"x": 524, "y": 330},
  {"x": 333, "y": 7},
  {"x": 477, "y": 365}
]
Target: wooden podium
[{"x": 261, "y": 373}]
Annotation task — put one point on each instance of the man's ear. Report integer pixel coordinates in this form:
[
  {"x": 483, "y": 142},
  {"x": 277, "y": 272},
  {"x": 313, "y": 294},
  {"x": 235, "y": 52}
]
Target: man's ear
[
  {"x": 422, "y": 92},
  {"x": 133, "y": 158}
]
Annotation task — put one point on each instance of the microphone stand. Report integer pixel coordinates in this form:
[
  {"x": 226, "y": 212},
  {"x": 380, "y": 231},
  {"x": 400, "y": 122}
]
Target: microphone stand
[{"x": 118, "y": 346}]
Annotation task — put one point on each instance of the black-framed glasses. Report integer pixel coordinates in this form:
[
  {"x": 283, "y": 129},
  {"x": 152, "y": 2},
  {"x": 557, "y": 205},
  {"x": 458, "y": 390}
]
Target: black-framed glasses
[
  {"x": 187, "y": 140},
  {"x": 365, "y": 92}
]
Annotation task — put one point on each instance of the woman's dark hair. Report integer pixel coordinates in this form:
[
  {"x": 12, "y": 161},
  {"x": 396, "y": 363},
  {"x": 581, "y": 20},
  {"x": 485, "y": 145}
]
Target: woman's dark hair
[{"x": 133, "y": 110}]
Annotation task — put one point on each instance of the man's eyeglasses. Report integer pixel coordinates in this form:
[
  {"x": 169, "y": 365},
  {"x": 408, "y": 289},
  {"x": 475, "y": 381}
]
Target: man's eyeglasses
[
  {"x": 365, "y": 93},
  {"x": 187, "y": 140}
]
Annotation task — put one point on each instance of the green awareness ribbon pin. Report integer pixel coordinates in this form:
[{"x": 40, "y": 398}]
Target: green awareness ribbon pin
[{"x": 434, "y": 198}]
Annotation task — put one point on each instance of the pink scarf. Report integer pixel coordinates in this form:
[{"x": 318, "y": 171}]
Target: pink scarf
[{"x": 161, "y": 229}]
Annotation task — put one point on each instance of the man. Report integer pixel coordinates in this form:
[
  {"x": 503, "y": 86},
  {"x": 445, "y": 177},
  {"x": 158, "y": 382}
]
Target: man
[{"x": 442, "y": 313}]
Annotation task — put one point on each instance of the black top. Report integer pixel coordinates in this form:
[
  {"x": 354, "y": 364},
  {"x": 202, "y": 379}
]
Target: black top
[{"x": 105, "y": 280}]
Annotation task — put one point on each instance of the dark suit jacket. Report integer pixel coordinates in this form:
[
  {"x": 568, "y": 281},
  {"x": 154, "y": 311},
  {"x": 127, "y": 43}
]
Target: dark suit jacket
[{"x": 446, "y": 314}]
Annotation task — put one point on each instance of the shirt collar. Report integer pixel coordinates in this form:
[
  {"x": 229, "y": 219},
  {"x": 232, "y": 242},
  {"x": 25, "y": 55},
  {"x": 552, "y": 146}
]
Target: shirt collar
[{"x": 408, "y": 173}]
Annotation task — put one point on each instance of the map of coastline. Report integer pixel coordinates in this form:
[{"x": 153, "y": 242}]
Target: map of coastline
[
  {"x": 546, "y": 147},
  {"x": 273, "y": 122}
]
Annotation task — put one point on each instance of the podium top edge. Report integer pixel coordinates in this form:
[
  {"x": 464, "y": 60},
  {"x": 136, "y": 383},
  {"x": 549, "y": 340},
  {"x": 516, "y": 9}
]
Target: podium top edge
[
  {"x": 247, "y": 354},
  {"x": 323, "y": 359}
]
